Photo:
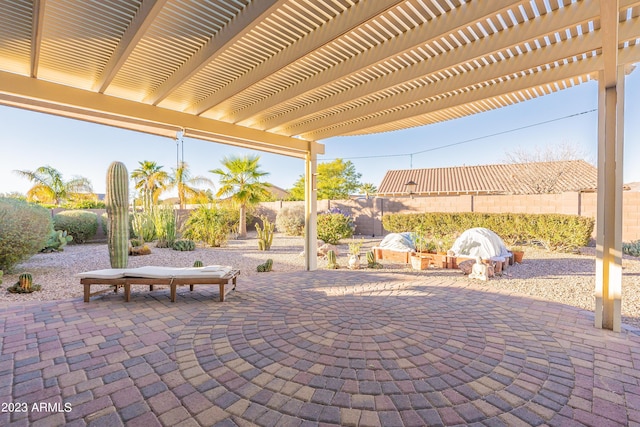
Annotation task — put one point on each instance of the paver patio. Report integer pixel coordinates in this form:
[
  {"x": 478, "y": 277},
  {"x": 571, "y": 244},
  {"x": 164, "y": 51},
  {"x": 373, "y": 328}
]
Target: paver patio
[{"x": 325, "y": 347}]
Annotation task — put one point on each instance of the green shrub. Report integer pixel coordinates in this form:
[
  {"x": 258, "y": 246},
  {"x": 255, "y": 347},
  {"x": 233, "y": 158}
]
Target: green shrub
[
  {"x": 631, "y": 248},
  {"x": 24, "y": 230},
  {"x": 210, "y": 225},
  {"x": 103, "y": 223},
  {"x": 561, "y": 232},
  {"x": 84, "y": 204},
  {"x": 81, "y": 225},
  {"x": 290, "y": 220},
  {"x": 335, "y": 225},
  {"x": 553, "y": 231}
]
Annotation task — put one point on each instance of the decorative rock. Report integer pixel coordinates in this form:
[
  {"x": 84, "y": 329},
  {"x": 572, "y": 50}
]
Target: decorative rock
[
  {"x": 466, "y": 266},
  {"x": 324, "y": 249}
]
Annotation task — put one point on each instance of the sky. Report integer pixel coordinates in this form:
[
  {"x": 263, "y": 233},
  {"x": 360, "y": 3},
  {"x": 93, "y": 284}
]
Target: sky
[{"x": 75, "y": 148}]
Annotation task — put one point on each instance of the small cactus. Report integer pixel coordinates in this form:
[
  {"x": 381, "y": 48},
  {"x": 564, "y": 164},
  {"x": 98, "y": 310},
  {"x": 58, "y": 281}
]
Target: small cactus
[
  {"x": 56, "y": 241},
  {"x": 332, "y": 264},
  {"x": 184, "y": 245},
  {"x": 371, "y": 257},
  {"x": 139, "y": 250},
  {"x": 24, "y": 285},
  {"x": 265, "y": 235},
  {"x": 371, "y": 260},
  {"x": 1, "y": 273},
  {"x": 198, "y": 264},
  {"x": 266, "y": 267},
  {"x": 25, "y": 280}
]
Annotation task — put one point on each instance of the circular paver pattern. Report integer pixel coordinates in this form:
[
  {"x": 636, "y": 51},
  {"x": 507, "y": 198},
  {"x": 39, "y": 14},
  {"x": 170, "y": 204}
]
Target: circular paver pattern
[{"x": 417, "y": 354}]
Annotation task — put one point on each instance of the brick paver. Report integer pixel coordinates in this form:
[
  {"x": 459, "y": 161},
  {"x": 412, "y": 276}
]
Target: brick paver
[{"x": 326, "y": 347}]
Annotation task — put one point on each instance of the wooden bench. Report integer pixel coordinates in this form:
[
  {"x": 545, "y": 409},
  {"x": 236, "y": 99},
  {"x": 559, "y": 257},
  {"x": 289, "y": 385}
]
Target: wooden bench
[{"x": 173, "y": 283}]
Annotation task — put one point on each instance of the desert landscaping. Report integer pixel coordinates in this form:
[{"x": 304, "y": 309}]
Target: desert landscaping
[{"x": 552, "y": 276}]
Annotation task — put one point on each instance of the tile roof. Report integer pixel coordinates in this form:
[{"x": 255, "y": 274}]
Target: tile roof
[{"x": 516, "y": 178}]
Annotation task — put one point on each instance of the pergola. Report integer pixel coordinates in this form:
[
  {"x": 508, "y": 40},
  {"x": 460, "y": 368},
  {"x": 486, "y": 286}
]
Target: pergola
[{"x": 280, "y": 75}]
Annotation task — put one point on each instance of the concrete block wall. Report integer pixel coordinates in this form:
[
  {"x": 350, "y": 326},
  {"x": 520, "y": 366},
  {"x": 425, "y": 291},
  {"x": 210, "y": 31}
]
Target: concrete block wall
[{"x": 368, "y": 213}]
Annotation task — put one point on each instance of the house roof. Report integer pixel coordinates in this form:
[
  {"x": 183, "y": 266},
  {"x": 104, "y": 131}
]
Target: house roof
[
  {"x": 278, "y": 193},
  {"x": 278, "y": 75},
  {"x": 516, "y": 178}
]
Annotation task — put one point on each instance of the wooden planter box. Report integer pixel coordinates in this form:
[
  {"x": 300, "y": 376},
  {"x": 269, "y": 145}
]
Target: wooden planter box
[
  {"x": 437, "y": 260},
  {"x": 392, "y": 256}
]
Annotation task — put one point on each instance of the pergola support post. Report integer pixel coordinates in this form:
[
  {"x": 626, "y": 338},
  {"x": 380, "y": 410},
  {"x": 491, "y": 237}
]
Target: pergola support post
[
  {"x": 311, "y": 210},
  {"x": 608, "y": 293}
]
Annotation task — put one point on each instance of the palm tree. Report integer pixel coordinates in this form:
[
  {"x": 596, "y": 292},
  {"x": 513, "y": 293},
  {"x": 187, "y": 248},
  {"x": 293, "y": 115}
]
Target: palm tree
[
  {"x": 150, "y": 180},
  {"x": 241, "y": 180},
  {"x": 49, "y": 186},
  {"x": 368, "y": 189},
  {"x": 182, "y": 181}
]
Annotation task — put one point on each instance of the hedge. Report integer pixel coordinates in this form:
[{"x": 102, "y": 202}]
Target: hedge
[
  {"x": 82, "y": 225},
  {"x": 555, "y": 232},
  {"x": 24, "y": 230}
]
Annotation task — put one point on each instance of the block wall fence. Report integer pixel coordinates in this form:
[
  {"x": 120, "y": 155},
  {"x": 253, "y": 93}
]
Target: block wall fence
[{"x": 368, "y": 213}]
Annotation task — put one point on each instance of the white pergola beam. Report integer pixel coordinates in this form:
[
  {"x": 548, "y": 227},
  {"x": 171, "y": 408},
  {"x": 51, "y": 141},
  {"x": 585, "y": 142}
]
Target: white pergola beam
[
  {"x": 143, "y": 19},
  {"x": 537, "y": 79},
  {"x": 526, "y": 32},
  {"x": 404, "y": 43},
  {"x": 508, "y": 67},
  {"x": 25, "y": 92},
  {"x": 253, "y": 13},
  {"x": 353, "y": 17},
  {"x": 36, "y": 34}
]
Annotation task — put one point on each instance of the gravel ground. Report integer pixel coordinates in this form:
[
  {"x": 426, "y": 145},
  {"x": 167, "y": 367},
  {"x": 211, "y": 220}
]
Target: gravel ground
[{"x": 565, "y": 278}]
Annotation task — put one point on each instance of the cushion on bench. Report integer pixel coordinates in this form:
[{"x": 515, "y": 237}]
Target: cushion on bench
[
  {"x": 107, "y": 273},
  {"x": 158, "y": 272}
]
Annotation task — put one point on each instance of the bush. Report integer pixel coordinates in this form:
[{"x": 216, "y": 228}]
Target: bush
[
  {"x": 84, "y": 204},
  {"x": 82, "y": 225},
  {"x": 290, "y": 220},
  {"x": 553, "y": 231},
  {"x": 210, "y": 225},
  {"x": 631, "y": 248},
  {"x": 103, "y": 223},
  {"x": 24, "y": 230},
  {"x": 335, "y": 225}
]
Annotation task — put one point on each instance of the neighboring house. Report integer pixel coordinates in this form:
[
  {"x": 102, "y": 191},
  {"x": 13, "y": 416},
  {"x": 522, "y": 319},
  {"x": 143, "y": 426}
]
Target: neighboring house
[
  {"x": 633, "y": 186},
  {"x": 278, "y": 193},
  {"x": 514, "y": 178}
]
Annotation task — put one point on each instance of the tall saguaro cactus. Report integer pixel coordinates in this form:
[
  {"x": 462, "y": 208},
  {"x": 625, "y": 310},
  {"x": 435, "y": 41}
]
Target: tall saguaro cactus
[{"x": 117, "y": 201}]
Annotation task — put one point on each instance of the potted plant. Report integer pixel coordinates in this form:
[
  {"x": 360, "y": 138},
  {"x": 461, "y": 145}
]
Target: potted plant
[
  {"x": 518, "y": 253},
  {"x": 419, "y": 259},
  {"x": 354, "y": 255}
]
